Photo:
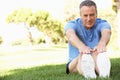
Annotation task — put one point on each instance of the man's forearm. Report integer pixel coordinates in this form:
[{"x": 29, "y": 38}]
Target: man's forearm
[
  {"x": 105, "y": 37},
  {"x": 75, "y": 41}
]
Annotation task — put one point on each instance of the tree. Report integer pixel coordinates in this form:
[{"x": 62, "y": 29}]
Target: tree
[
  {"x": 21, "y": 16},
  {"x": 42, "y": 19},
  {"x": 116, "y": 8},
  {"x": 52, "y": 28}
]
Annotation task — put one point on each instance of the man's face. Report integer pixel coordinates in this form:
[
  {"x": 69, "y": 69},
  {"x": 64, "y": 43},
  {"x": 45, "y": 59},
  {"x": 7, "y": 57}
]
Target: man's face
[{"x": 88, "y": 16}]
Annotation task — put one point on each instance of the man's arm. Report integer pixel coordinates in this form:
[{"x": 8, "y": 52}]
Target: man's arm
[
  {"x": 105, "y": 37},
  {"x": 75, "y": 41}
]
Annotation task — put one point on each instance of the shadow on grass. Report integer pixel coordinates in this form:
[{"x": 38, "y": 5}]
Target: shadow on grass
[
  {"x": 55, "y": 72},
  {"x": 48, "y": 72}
]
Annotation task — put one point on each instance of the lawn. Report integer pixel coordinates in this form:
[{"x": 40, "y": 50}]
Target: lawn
[{"x": 32, "y": 64}]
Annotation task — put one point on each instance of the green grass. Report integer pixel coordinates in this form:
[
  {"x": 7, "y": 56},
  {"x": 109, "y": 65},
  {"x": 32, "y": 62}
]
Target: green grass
[
  {"x": 54, "y": 72},
  {"x": 46, "y": 71}
]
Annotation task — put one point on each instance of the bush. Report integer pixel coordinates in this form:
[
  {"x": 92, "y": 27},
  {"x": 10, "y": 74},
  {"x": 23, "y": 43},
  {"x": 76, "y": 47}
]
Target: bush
[
  {"x": 1, "y": 40},
  {"x": 40, "y": 40}
]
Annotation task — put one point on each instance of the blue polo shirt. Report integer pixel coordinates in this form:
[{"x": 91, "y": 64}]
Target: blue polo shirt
[{"x": 89, "y": 37}]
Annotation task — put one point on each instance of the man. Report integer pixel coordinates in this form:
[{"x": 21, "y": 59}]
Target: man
[{"x": 88, "y": 37}]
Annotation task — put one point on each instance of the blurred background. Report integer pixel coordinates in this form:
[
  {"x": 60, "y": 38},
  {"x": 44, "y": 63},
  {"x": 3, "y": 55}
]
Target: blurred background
[{"x": 40, "y": 23}]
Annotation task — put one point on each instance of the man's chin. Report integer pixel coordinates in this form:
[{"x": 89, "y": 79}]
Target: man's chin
[{"x": 89, "y": 27}]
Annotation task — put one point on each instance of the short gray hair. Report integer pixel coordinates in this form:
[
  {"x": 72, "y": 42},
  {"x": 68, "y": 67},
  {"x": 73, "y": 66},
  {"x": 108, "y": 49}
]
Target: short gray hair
[{"x": 88, "y": 3}]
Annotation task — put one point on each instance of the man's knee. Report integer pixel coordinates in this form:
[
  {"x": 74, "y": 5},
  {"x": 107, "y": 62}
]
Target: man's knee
[{"x": 72, "y": 65}]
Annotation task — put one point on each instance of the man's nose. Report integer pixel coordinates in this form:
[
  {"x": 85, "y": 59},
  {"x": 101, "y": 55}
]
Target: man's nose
[{"x": 88, "y": 18}]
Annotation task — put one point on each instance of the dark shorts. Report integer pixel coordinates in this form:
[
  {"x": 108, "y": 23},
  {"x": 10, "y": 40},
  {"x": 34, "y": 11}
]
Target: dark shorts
[{"x": 67, "y": 68}]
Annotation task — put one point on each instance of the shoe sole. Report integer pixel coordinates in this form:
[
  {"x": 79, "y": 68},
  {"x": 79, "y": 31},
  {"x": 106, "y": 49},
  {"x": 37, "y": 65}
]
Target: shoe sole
[
  {"x": 88, "y": 66},
  {"x": 103, "y": 64}
]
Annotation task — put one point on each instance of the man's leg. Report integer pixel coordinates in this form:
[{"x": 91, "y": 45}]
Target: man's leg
[
  {"x": 83, "y": 64},
  {"x": 79, "y": 69},
  {"x": 74, "y": 65},
  {"x": 94, "y": 55}
]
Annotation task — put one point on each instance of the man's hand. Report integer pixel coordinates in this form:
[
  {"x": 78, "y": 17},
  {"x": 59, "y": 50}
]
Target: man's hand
[
  {"x": 85, "y": 49},
  {"x": 100, "y": 48}
]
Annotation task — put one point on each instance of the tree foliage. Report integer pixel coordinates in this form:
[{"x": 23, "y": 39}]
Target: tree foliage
[
  {"x": 1, "y": 40},
  {"x": 114, "y": 5},
  {"x": 42, "y": 19},
  {"x": 18, "y": 16}
]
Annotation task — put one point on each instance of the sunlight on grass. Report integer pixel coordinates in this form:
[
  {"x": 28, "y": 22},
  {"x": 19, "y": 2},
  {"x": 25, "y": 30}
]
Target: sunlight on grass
[
  {"x": 7, "y": 73},
  {"x": 25, "y": 56},
  {"x": 54, "y": 72},
  {"x": 34, "y": 63}
]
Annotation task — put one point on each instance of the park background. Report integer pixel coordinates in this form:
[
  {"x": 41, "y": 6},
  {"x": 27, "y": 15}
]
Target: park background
[{"x": 32, "y": 35}]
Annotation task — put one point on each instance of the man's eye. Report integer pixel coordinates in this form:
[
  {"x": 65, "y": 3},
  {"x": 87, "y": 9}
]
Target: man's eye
[
  {"x": 92, "y": 15},
  {"x": 85, "y": 15}
]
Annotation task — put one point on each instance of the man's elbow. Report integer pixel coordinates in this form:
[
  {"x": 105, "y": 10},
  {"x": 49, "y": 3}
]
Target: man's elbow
[{"x": 107, "y": 31}]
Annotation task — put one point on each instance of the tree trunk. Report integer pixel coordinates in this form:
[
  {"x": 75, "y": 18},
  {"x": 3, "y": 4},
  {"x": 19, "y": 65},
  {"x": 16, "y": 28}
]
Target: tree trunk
[{"x": 29, "y": 33}]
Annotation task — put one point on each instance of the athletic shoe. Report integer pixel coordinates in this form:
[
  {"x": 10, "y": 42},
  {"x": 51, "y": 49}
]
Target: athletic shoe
[
  {"x": 104, "y": 65},
  {"x": 88, "y": 66}
]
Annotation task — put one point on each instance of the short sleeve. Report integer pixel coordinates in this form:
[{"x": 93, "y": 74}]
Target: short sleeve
[
  {"x": 104, "y": 25},
  {"x": 70, "y": 25}
]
